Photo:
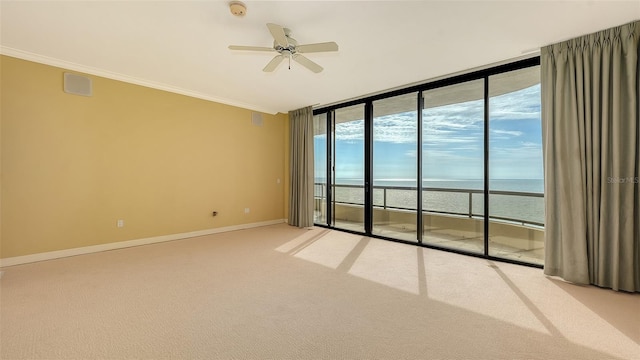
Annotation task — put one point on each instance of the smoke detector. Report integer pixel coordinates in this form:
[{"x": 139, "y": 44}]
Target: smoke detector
[{"x": 237, "y": 8}]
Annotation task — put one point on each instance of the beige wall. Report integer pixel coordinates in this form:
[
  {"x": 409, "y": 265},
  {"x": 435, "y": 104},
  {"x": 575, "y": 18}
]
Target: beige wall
[{"x": 73, "y": 165}]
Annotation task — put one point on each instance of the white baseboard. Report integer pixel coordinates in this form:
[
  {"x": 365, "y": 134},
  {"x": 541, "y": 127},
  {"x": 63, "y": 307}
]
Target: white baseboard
[{"x": 18, "y": 260}]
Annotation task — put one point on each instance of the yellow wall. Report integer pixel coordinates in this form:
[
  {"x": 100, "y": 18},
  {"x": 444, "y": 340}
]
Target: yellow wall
[{"x": 73, "y": 165}]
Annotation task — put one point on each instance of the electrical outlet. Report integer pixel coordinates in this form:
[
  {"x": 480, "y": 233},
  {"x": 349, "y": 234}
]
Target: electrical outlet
[
  {"x": 247, "y": 210},
  {"x": 120, "y": 223}
]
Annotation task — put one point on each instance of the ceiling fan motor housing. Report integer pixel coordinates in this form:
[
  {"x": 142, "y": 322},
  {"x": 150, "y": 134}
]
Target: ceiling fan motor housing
[{"x": 292, "y": 44}]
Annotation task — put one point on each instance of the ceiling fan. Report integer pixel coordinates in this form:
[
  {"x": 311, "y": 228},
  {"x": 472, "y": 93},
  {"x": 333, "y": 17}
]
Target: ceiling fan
[{"x": 288, "y": 48}]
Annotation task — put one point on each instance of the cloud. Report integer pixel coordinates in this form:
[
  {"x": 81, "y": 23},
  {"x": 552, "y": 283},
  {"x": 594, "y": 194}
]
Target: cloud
[
  {"x": 528, "y": 105},
  {"x": 497, "y": 134},
  {"x": 398, "y": 128},
  {"x": 351, "y": 131},
  {"x": 530, "y": 145},
  {"x": 452, "y": 140},
  {"x": 411, "y": 153},
  {"x": 507, "y": 132},
  {"x": 520, "y": 152}
]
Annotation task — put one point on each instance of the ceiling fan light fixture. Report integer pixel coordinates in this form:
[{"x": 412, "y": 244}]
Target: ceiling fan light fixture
[{"x": 238, "y": 8}]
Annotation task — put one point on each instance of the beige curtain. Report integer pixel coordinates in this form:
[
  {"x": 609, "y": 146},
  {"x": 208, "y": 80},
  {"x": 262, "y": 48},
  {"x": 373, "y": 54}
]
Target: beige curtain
[
  {"x": 591, "y": 143},
  {"x": 301, "y": 164}
]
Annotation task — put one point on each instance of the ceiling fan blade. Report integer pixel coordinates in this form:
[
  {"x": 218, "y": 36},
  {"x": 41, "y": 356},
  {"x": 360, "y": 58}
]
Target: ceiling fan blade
[
  {"x": 307, "y": 63},
  {"x": 250, "y": 48},
  {"x": 319, "y": 47},
  {"x": 278, "y": 34},
  {"x": 273, "y": 64}
]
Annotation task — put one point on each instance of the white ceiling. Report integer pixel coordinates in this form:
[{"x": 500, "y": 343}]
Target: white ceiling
[{"x": 181, "y": 46}]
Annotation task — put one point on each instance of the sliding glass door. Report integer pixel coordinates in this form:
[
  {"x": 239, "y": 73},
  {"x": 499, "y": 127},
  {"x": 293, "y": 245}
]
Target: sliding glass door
[
  {"x": 452, "y": 166},
  {"x": 516, "y": 184},
  {"x": 395, "y": 125},
  {"x": 348, "y": 168},
  {"x": 321, "y": 189}
]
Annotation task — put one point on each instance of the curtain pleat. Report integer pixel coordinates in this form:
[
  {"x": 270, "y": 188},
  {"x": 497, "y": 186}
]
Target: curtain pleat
[
  {"x": 590, "y": 114},
  {"x": 301, "y": 167}
]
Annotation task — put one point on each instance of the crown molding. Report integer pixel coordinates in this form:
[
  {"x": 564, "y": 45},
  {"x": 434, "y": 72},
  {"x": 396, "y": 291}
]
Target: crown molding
[{"x": 26, "y": 55}]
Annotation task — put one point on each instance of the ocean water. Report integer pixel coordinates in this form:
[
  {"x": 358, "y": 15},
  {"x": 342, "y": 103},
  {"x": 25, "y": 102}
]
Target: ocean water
[{"x": 461, "y": 197}]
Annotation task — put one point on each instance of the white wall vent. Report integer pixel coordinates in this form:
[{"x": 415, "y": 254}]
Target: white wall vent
[
  {"x": 77, "y": 84},
  {"x": 256, "y": 119}
]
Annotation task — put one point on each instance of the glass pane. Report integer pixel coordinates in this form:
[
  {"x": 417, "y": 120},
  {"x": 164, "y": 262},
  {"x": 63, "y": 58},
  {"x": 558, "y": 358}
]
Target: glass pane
[
  {"x": 395, "y": 137},
  {"x": 516, "y": 199},
  {"x": 320, "y": 168},
  {"x": 348, "y": 194},
  {"x": 453, "y": 166}
]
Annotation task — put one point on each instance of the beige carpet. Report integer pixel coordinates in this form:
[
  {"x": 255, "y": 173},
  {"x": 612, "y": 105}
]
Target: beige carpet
[{"x": 279, "y": 292}]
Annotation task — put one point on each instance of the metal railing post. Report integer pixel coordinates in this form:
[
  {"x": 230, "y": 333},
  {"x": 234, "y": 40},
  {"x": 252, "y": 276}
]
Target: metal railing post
[{"x": 384, "y": 203}]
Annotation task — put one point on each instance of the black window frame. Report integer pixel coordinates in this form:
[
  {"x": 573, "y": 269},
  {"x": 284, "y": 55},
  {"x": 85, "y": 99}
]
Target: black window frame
[{"x": 367, "y": 101}]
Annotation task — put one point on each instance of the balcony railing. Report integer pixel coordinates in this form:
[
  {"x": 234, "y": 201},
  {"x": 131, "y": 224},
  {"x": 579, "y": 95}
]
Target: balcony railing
[{"x": 524, "y": 208}]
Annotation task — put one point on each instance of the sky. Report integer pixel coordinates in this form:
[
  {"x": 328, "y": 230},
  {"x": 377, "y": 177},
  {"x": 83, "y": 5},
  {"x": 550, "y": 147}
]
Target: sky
[{"x": 452, "y": 144}]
